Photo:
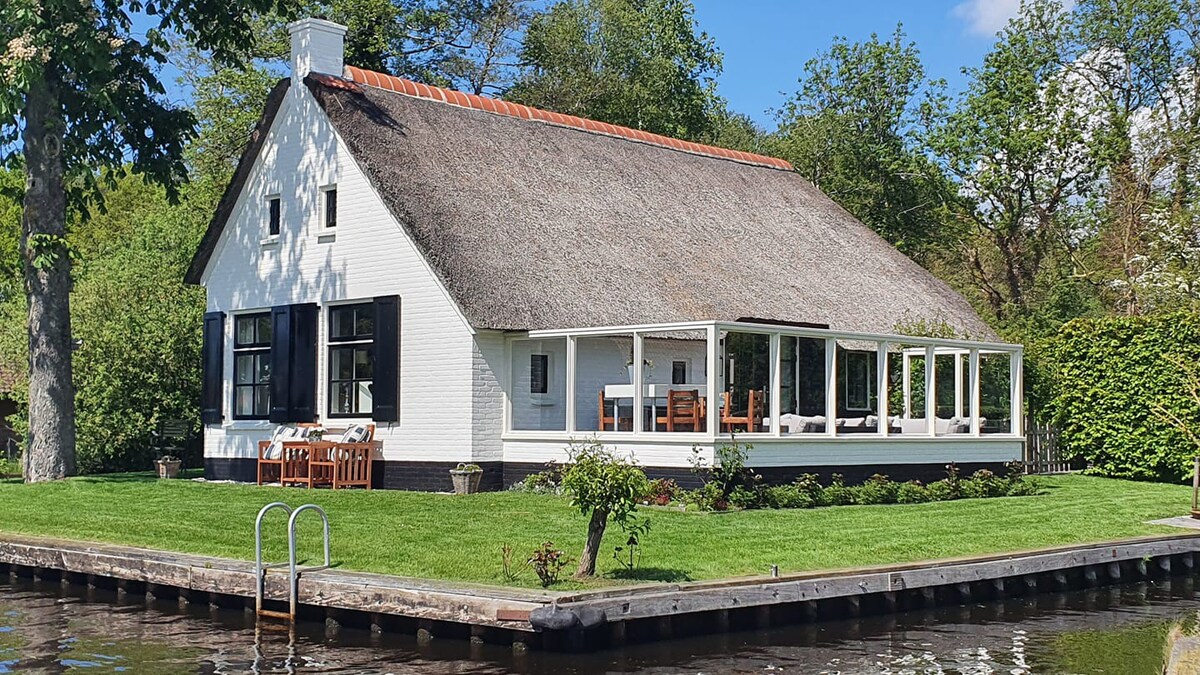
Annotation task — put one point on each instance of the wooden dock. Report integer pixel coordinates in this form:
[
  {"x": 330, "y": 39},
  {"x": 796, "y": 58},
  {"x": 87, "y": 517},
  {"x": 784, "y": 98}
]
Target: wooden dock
[{"x": 608, "y": 617}]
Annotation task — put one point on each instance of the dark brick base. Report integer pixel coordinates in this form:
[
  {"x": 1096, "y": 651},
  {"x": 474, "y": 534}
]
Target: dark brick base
[{"x": 435, "y": 476}]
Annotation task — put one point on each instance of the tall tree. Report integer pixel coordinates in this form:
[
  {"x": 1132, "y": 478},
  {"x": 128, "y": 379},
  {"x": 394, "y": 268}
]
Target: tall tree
[
  {"x": 81, "y": 103},
  {"x": 638, "y": 63},
  {"x": 1019, "y": 146},
  {"x": 851, "y": 130}
]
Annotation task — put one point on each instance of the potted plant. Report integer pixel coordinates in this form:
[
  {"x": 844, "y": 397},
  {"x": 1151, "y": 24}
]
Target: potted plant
[
  {"x": 466, "y": 478},
  {"x": 647, "y": 368},
  {"x": 168, "y": 466}
]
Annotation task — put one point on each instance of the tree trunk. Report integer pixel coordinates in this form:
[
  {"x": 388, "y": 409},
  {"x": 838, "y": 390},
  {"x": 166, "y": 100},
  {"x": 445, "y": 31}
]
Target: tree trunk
[
  {"x": 50, "y": 446},
  {"x": 591, "y": 549}
]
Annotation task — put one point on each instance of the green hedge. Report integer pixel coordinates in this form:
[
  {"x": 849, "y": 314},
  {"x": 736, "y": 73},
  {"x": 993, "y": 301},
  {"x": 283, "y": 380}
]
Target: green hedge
[{"x": 1108, "y": 377}]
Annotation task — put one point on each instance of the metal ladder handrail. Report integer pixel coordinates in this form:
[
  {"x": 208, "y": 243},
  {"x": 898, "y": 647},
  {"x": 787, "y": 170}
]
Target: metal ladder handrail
[
  {"x": 260, "y": 569},
  {"x": 293, "y": 572}
]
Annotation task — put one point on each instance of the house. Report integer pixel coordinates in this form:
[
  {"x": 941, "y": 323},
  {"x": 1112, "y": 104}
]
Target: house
[{"x": 485, "y": 282}]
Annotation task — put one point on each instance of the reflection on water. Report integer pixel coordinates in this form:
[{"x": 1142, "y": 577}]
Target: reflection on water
[{"x": 46, "y": 628}]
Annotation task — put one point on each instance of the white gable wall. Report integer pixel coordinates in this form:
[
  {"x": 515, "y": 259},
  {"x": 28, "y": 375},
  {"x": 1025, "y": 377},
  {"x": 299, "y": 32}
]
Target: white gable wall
[{"x": 368, "y": 255}]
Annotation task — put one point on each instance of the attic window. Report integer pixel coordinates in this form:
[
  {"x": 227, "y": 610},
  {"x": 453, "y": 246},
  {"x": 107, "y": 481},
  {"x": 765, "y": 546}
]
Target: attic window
[
  {"x": 329, "y": 212},
  {"x": 273, "y": 218}
]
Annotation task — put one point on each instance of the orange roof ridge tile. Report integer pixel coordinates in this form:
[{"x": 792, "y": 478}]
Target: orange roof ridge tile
[{"x": 502, "y": 107}]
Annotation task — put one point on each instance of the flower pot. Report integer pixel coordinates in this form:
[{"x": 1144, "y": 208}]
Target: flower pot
[
  {"x": 465, "y": 482},
  {"x": 168, "y": 468}
]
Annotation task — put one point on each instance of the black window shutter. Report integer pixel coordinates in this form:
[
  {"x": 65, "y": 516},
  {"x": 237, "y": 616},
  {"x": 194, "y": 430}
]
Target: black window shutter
[
  {"x": 385, "y": 385},
  {"x": 281, "y": 363},
  {"x": 212, "y": 366},
  {"x": 302, "y": 401}
]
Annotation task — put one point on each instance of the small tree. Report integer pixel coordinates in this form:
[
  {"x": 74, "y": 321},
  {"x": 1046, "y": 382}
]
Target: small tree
[{"x": 605, "y": 486}]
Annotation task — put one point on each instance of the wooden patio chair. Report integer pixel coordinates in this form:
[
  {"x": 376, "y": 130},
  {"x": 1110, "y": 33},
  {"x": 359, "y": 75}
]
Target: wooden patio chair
[
  {"x": 683, "y": 409},
  {"x": 750, "y": 420},
  {"x": 606, "y": 420},
  {"x": 290, "y": 463},
  {"x": 342, "y": 464}
]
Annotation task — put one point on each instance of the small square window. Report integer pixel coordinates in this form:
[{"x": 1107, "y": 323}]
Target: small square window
[
  {"x": 273, "y": 218},
  {"x": 679, "y": 372},
  {"x": 330, "y": 216},
  {"x": 539, "y": 373}
]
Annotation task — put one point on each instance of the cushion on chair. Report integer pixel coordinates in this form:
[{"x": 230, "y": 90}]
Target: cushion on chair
[
  {"x": 357, "y": 433},
  {"x": 281, "y": 434}
]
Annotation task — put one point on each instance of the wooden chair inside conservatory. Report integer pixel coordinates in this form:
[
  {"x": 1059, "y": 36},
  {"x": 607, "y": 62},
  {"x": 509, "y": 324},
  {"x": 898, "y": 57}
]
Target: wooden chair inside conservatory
[
  {"x": 683, "y": 411},
  {"x": 609, "y": 422},
  {"x": 750, "y": 421}
]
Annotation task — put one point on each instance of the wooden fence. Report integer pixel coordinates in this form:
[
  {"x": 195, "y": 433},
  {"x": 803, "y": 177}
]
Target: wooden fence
[{"x": 1042, "y": 454}]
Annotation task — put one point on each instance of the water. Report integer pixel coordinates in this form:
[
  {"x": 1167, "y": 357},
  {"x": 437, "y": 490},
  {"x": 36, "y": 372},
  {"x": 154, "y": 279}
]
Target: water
[{"x": 46, "y": 628}]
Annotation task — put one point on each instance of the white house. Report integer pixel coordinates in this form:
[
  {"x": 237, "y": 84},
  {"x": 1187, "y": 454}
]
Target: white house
[{"x": 485, "y": 281}]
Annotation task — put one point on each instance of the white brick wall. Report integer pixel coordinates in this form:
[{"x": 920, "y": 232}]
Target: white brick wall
[{"x": 442, "y": 374}]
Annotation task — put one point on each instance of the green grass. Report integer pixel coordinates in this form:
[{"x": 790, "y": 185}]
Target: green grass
[{"x": 459, "y": 538}]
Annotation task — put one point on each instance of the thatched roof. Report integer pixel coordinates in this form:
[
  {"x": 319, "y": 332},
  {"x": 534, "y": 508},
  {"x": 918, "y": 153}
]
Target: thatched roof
[{"x": 537, "y": 223}]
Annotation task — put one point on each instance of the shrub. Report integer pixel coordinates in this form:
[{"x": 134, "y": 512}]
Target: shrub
[
  {"x": 942, "y": 491},
  {"x": 984, "y": 483},
  {"x": 789, "y": 497},
  {"x": 876, "y": 490},
  {"x": 838, "y": 493},
  {"x": 547, "y": 481},
  {"x": 912, "y": 492},
  {"x": 547, "y": 562},
  {"x": 1116, "y": 384},
  {"x": 663, "y": 491}
]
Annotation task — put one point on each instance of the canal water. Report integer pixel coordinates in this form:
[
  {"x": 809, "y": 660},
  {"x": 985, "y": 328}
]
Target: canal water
[{"x": 47, "y": 628}]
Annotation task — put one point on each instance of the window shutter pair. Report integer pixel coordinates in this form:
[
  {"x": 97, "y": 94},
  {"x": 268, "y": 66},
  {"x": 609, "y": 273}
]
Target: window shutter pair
[{"x": 294, "y": 363}]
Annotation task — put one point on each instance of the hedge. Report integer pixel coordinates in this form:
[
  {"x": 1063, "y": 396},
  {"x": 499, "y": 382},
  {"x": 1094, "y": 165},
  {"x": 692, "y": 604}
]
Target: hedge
[{"x": 1111, "y": 379}]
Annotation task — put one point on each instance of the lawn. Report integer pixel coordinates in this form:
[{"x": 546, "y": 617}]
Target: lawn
[{"x": 460, "y": 537}]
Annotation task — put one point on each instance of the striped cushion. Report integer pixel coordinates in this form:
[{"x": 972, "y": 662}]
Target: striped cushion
[
  {"x": 357, "y": 433},
  {"x": 281, "y": 434}
]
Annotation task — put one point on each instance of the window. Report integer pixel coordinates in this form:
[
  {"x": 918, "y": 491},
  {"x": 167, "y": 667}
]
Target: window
[
  {"x": 252, "y": 366},
  {"x": 539, "y": 373},
  {"x": 860, "y": 384},
  {"x": 679, "y": 372},
  {"x": 273, "y": 218},
  {"x": 330, "y": 216},
  {"x": 351, "y": 361}
]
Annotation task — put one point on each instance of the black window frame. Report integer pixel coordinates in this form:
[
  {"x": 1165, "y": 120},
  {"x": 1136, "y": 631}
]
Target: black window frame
[
  {"x": 274, "y": 216},
  {"x": 352, "y": 343},
  {"x": 674, "y": 370},
  {"x": 539, "y": 375},
  {"x": 258, "y": 350},
  {"x": 329, "y": 208}
]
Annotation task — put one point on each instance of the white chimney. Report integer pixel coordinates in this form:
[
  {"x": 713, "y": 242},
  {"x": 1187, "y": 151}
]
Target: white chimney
[{"x": 317, "y": 47}]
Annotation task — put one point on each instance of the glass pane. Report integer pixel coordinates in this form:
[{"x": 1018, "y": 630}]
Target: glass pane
[
  {"x": 531, "y": 410},
  {"x": 364, "y": 321},
  {"x": 264, "y": 329},
  {"x": 341, "y": 398},
  {"x": 995, "y": 394},
  {"x": 262, "y": 401},
  {"x": 245, "y": 330},
  {"x": 857, "y": 381},
  {"x": 675, "y": 393},
  {"x": 362, "y": 363},
  {"x": 363, "y": 400},
  {"x": 604, "y": 383},
  {"x": 341, "y": 321},
  {"x": 341, "y": 361},
  {"x": 802, "y": 385},
  {"x": 746, "y": 366},
  {"x": 243, "y": 401},
  {"x": 264, "y": 368},
  {"x": 244, "y": 369},
  {"x": 906, "y": 392},
  {"x": 953, "y": 409}
]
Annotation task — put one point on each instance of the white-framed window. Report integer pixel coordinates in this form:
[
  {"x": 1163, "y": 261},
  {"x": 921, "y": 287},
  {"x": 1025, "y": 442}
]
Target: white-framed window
[
  {"x": 860, "y": 383},
  {"x": 680, "y": 370},
  {"x": 252, "y": 366},
  {"x": 274, "y": 215},
  {"x": 351, "y": 359},
  {"x": 329, "y": 206},
  {"x": 539, "y": 373}
]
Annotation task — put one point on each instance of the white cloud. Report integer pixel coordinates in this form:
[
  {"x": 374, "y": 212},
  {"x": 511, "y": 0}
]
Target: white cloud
[{"x": 987, "y": 17}]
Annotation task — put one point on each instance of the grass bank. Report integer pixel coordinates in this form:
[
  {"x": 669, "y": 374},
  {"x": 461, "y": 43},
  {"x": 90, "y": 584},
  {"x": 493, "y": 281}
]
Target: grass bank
[{"x": 459, "y": 538}]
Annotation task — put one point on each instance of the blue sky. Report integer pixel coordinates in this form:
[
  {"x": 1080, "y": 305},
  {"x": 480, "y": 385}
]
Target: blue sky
[{"x": 766, "y": 42}]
